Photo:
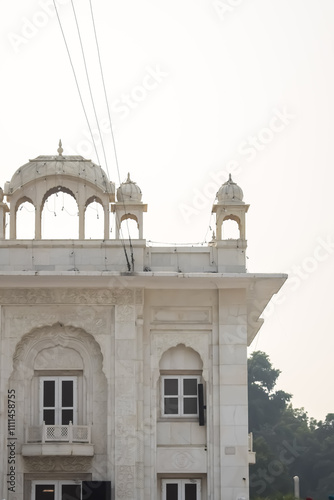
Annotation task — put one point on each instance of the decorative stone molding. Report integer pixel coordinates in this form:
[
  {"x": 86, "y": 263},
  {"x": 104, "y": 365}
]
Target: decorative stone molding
[
  {"x": 125, "y": 451},
  {"x": 125, "y": 314},
  {"x": 140, "y": 476},
  {"x": 183, "y": 460},
  {"x": 55, "y": 464},
  {"x": 49, "y": 337},
  {"x": 139, "y": 296},
  {"x": 176, "y": 460},
  {"x": 58, "y": 358},
  {"x": 181, "y": 315},
  {"x": 103, "y": 296},
  {"x": 199, "y": 342},
  {"x": 125, "y": 482},
  {"x": 24, "y": 318}
]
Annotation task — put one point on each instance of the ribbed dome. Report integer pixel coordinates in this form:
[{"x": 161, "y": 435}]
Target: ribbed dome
[
  {"x": 129, "y": 192},
  {"x": 47, "y": 166},
  {"x": 230, "y": 192}
]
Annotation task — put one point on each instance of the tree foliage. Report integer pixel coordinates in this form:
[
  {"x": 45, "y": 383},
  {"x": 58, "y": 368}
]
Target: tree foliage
[{"x": 287, "y": 442}]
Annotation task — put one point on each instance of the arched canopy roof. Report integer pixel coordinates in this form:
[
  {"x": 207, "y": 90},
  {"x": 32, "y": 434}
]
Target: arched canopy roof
[{"x": 43, "y": 167}]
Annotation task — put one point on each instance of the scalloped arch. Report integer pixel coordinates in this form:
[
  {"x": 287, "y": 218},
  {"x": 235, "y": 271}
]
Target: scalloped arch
[
  {"x": 57, "y": 335},
  {"x": 181, "y": 357},
  {"x": 199, "y": 344},
  {"x": 22, "y": 200}
]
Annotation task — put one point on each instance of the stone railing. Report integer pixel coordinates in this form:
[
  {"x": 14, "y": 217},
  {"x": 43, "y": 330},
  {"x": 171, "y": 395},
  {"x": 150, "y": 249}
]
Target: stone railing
[
  {"x": 58, "y": 433},
  {"x": 250, "y": 442}
]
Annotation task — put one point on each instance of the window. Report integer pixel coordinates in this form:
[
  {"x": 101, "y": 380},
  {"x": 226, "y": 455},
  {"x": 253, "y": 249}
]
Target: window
[
  {"x": 58, "y": 400},
  {"x": 181, "y": 489},
  {"x": 179, "y": 395},
  {"x": 49, "y": 489},
  {"x": 56, "y": 490}
]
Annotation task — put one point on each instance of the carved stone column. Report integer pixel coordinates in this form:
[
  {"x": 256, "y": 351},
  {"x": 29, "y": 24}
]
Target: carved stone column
[
  {"x": 38, "y": 223},
  {"x": 3, "y": 210},
  {"x": 125, "y": 402}
]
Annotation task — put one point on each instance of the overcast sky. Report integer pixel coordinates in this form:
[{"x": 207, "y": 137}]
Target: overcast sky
[{"x": 198, "y": 89}]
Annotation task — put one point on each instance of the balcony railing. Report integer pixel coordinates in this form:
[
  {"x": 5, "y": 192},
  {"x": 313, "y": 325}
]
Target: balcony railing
[
  {"x": 58, "y": 433},
  {"x": 250, "y": 442},
  {"x": 251, "y": 453}
]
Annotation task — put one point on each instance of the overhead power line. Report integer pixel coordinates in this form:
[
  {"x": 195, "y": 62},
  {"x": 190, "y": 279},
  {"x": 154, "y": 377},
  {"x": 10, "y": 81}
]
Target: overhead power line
[
  {"x": 130, "y": 267},
  {"x": 76, "y": 81},
  {"x": 90, "y": 89},
  {"x": 111, "y": 129}
]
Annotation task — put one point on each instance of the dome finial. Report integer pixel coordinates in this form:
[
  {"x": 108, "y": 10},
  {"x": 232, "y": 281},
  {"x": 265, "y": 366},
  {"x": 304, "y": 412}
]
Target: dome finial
[
  {"x": 230, "y": 192},
  {"x": 129, "y": 191},
  {"x": 60, "y": 149}
]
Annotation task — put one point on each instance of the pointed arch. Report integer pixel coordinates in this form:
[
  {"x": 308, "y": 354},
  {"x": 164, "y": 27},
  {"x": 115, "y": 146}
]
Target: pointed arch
[
  {"x": 231, "y": 227},
  {"x": 130, "y": 226},
  {"x": 59, "y": 213},
  {"x": 25, "y": 213},
  {"x": 94, "y": 218}
]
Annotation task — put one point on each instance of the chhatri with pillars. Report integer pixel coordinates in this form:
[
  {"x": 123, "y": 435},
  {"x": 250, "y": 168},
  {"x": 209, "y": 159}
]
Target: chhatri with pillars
[{"x": 123, "y": 366}]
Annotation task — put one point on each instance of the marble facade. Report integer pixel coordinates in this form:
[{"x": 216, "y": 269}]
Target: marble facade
[{"x": 115, "y": 335}]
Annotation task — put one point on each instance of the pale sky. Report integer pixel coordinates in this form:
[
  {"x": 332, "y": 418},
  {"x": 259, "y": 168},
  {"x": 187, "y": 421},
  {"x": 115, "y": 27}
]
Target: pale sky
[{"x": 198, "y": 89}]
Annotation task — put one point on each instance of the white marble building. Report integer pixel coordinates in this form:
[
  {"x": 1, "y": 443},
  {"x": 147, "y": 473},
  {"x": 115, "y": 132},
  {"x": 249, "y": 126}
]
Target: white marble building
[{"x": 105, "y": 359}]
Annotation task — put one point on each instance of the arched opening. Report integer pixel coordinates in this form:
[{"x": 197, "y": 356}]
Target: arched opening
[
  {"x": 55, "y": 361},
  {"x": 181, "y": 358},
  {"x": 94, "y": 219},
  {"x": 129, "y": 227},
  {"x": 25, "y": 220},
  {"x": 7, "y": 225},
  {"x": 180, "y": 375},
  {"x": 230, "y": 228},
  {"x": 60, "y": 217}
]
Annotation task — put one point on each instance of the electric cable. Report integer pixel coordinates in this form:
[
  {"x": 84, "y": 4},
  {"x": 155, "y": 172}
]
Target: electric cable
[
  {"x": 113, "y": 137},
  {"x": 90, "y": 89},
  {"x": 76, "y": 80},
  {"x": 87, "y": 120}
]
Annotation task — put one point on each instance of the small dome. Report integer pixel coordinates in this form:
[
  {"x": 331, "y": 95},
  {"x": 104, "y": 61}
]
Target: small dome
[
  {"x": 129, "y": 192},
  {"x": 230, "y": 192},
  {"x": 49, "y": 166}
]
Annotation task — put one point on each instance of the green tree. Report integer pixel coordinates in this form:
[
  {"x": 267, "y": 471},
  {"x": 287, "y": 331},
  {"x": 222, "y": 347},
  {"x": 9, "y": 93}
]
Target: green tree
[
  {"x": 264, "y": 406},
  {"x": 287, "y": 442},
  {"x": 270, "y": 476}
]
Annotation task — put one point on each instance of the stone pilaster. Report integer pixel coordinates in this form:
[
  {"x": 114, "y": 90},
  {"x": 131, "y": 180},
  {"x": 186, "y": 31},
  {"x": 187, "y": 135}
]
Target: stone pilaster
[
  {"x": 233, "y": 394},
  {"x": 125, "y": 403}
]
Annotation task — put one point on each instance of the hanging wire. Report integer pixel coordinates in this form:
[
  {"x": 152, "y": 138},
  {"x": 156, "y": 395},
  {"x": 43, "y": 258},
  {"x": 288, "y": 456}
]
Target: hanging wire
[
  {"x": 114, "y": 145},
  {"x": 90, "y": 89},
  {"x": 105, "y": 92},
  {"x": 76, "y": 80},
  {"x": 90, "y": 130},
  {"x": 24, "y": 206},
  {"x": 209, "y": 228},
  {"x": 94, "y": 208}
]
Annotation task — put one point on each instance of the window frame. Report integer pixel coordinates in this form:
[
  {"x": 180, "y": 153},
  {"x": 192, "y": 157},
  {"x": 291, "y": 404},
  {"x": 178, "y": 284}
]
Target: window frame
[
  {"x": 58, "y": 379},
  {"x": 56, "y": 483},
  {"x": 181, "y": 397},
  {"x": 181, "y": 482}
]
